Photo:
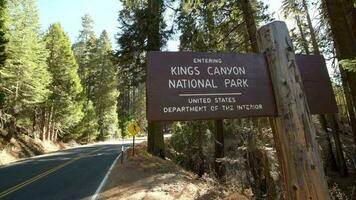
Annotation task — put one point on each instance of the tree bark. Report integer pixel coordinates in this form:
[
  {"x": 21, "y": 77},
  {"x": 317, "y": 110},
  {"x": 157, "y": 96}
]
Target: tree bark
[
  {"x": 322, "y": 118},
  {"x": 254, "y": 160},
  {"x": 219, "y": 149},
  {"x": 338, "y": 146},
  {"x": 155, "y": 144},
  {"x": 311, "y": 29},
  {"x": 349, "y": 103},
  {"x": 302, "y": 34},
  {"x": 43, "y": 123},
  {"x": 330, "y": 158},
  {"x": 295, "y": 136},
  {"x": 345, "y": 44},
  {"x": 350, "y": 12},
  {"x": 12, "y": 128},
  {"x": 248, "y": 15},
  {"x": 200, "y": 149},
  {"x": 49, "y": 123}
]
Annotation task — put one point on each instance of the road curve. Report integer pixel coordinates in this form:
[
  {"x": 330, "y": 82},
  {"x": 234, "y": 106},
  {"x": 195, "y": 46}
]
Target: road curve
[{"x": 69, "y": 174}]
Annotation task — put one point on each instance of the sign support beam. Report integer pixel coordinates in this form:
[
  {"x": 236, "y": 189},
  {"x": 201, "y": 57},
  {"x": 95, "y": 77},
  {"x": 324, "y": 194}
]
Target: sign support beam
[{"x": 294, "y": 135}]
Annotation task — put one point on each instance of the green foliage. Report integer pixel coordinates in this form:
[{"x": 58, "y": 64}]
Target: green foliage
[
  {"x": 143, "y": 29},
  {"x": 24, "y": 77},
  {"x": 349, "y": 65},
  {"x": 185, "y": 141},
  {"x": 98, "y": 74},
  {"x": 87, "y": 128},
  {"x": 216, "y": 26},
  {"x": 3, "y": 42},
  {"x": 136, "y": 23},
  {"x": 85, "y": 50},
  {"x": 105, "y": 91},
  {"x": 65, "y": 86}
]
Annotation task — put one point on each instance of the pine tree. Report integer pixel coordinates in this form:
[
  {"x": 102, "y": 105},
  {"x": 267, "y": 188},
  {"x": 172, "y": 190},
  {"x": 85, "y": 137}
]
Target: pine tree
[
  {"x": 85, "y": 50},
  {"x": 105, "y": 91},
  {"x": 223, "y": 26},
  {"x": 301, "y": 13},
  {"x": 24, "y": 77},
  {"x": 63, "y": 105},
  {"x": 3, "y": 42},
  {"x": 87, "y": 128},
  {"x": 143, "y": 29},
  {"x": 345, "y": 44}
]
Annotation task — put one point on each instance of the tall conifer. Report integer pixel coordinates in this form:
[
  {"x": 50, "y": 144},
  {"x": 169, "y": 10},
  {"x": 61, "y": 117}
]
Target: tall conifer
[
  {"x": 105, "y": 90},
  {"x": 24, "y": 76},
  {"x": 63, "y": 104}
]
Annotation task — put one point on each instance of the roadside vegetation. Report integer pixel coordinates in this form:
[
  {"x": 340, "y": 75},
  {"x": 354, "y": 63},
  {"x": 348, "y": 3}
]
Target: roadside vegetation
[{"x": 53, "y": 90}]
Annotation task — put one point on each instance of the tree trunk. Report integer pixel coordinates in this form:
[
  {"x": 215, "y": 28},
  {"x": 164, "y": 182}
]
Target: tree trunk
[
  {"x": 338, "y": 146},
  {"x": 295, "y": 136},
  {"x": 302, "y": 34},
  {"x": 200, "y": 149},
  {"x": 34, "y": 123},
  {"x": 49, "y": 123},
  {"x": 349, "y": 103},
  {"x": 311, "y": 29},
  {"x": 155, "y": 144},
  {"x": 255, "y": 165},
  {"x": 219, "y": 149},
  {"x": 43, "y": 123},
  {"x": 155, "y": 140},
  {"x": 345, "y": 44},
  {"x": 350, "y": 13},
  {"x": 53, "y": 132},
  {"x": 330, "y": 157},
  {"x": 269, "y": 182},
  {"x": 12, "y": 129},
  {"x": 56, "y": 135},
  {"x": 249, "y": 18},
  {"x": 322, "y": 118},
  {"x": 254, "y": 160}
]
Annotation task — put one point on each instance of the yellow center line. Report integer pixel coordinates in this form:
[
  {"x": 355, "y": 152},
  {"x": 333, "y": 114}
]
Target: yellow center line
[{"x": 35, "y": 178}]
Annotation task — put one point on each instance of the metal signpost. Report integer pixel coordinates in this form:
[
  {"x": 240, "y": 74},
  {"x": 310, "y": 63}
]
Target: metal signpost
[{"x": 133, "y": 128}]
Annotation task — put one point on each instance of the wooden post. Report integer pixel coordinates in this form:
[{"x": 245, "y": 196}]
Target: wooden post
[
  {"x": 122, "y": 154},
  {"x": 133, "y": 146},
  {"x": 294, "y": 135}
]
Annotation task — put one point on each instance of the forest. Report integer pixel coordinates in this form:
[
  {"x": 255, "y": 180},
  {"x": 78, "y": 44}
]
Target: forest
[{"x": 54, "y": 89}]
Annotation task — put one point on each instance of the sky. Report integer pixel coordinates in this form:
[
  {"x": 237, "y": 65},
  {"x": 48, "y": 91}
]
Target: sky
[
  {"x": 104, "y": 14},
  {"x": 70, "y": 12}
]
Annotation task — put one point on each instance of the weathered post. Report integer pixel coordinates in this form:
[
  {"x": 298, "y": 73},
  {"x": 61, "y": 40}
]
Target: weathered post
[
  {"x": 122, "y": 154},
  {"x": 133, "y": 146},
  {"x": 294, "y": 134}
]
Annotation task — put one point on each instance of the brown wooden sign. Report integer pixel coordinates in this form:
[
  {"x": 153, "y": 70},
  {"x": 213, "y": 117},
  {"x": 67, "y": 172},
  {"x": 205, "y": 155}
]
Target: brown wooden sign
[
  {"x": 191, "y": 86},
  {"x": 188, "y": 86},
  {"x": 317, "y": 84}
]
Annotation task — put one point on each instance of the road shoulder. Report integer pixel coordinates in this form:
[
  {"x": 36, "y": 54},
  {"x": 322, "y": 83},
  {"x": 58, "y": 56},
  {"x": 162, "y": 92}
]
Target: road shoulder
[{"x": 146, "y": 177}]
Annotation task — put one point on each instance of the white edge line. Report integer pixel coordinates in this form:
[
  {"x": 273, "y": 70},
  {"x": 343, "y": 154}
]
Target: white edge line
[
  {"x": 211, "y": 94},
  {"x": 98, "y": 190}
]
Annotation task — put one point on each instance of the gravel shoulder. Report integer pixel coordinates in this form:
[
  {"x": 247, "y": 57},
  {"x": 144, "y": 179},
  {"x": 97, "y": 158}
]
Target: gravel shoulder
[{"x": 149, "y": 178}]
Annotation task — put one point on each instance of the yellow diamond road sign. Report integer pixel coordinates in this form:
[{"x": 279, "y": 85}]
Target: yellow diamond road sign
[{"x": 133, "y": 128}]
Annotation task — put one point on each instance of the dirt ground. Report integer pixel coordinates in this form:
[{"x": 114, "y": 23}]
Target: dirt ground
[
  {"x": 23, "y": 146},
  {"x": 146, "y": 177}
]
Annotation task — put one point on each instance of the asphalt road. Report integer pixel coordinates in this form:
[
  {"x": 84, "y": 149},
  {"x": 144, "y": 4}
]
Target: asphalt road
[{"x": 69, "y": 174}]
